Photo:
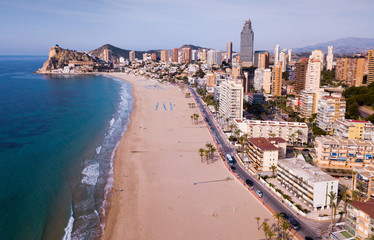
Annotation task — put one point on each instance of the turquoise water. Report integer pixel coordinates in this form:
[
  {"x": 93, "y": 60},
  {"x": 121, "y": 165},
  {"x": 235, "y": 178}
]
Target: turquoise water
[{"x": 57, "y": 138}]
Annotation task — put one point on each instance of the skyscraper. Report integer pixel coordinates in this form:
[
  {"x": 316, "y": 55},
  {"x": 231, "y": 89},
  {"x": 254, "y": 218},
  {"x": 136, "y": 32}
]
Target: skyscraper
[
  {"x": 350, "y": 70},
  {"x": 276, "y": 87},
  {"x": 174, "y": 55},
  {"x": 229, "y": 52},
  {"x": 329, "y": 58},
  {"x": 261, "y": 59},
  {"x": 313, "y": 74},
  {"x": 370, "y": 66},
  {"x": 283, "y": 59},
  {"x": 132, "y": 56},
  {"x": 276, "y": 55},
  {"x": 289, "y": 55},
  {"x": 164, "y": 56},
  {"x": 186, "y": 55},
  {"x": 300, "y": 75},
  {"x": 107, "y": 55},
  {"x": 246, "y": 44}
]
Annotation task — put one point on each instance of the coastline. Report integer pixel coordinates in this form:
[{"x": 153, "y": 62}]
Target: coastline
[{"x": 155, "y": 167}]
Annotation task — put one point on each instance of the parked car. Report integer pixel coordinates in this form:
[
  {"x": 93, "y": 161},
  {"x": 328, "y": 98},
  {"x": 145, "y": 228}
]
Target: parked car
[
  {"x": 294, "y": 224},
  {"x": 249, "y": 182},
  {"x": 284, "y": 215},
  {"x": 233, "y": 168},
  {"x": 259, "y": 193},
  {"x": 308, "y": 238}
]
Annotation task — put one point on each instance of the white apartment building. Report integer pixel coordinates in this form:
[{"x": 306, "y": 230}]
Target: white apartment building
[
  {"x": 262, "y": 153},
  {"x": 354, "y": 129},
  {"x": 329, "y": 58},
  {"x": 335, "y": 152},
  {"x": 329, "y": 110},
  {"x": 313, "y": 74},
  {"x": 214, "y": 57},
  {"x": 231, "y": 99},
  {"x": 307, "y": 182},
  {"x": 257, "y": 81},
  {"x": 266, "y": 81},
  {"x": 289, "y": 131}
]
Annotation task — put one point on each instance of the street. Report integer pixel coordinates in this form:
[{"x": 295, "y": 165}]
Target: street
[{"x": 307, "y": 227}]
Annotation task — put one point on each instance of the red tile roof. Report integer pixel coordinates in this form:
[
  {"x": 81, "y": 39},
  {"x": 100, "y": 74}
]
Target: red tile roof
[
  {"x": 263, "y": 144},
  {"x": 366, "y": 207}
]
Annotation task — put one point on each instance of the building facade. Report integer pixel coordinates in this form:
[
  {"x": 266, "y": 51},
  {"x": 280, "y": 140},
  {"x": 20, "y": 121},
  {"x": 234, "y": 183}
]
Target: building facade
[
  {"x": 350, "y": 70},
  {"x": 363, "y": 182},
  {"x": 313, "y": 74},
  {"x": 175, "y": 55},
  {"x": 307, "y": 182},
  {"x": 334, "y": 152},
  {"x": 261, "y": 59},
  {"x": 360, "y": 219},
  {"x": 276, "y": 78},
  {"x": 370, "y": 78},
  {"x": 231, "y": 100},
  {"x": 329, "y": 110},
  {"x": 291, "y": 132},
  {"x": 329, "y": 58},
  {"x": 246, "y": 44},
  {"x": 354, "y": 129},
  {"x": 229, "y": 52},
  {"x": 300, "y": 75},
  {"x": 262, "y": 153},
  {"x": 186, "y": 55},
  {"x": 132, "y": 56},
  {"x": 164, "y": 55},
  {"x": 276, "y": 54}
]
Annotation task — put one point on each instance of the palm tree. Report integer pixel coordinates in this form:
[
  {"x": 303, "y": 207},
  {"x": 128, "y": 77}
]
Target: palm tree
[
  {"x": 292, "y": 136},
  {"x": 344, "y": 198},
  {"x": 237, "y": 133},
  {"x": 360, "y": 185},
  {"x": 353, "y": 180},
  {"x": 354, "y": 195},
  {"x": 258, "y": 222},
  {"x": 227, "y": 122},
  {"x": 197, "y": 118},
  {"x": 206, "y": 154},
  {"x": 242, "y": 140},
  {"x": 231, "y": 128},
  {"x": 332, "y": 196},
  {"x": 192, "y": 118},
  {"x": 285, "y": 228},
  {"x": 201, "y": 152},
  {"x": 279, "y": 217},
  {"x": 265, "y": 228},
  {"x": 370, "y": 237},
  {"x": 299, "y": 133},
  {"x": 273, "y": 168},
  {"x": 270, "y": 234},
  {"x": 212, "y": 150}
]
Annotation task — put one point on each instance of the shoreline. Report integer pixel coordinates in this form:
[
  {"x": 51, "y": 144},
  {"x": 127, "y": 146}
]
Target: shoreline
[{"x": 154, "y": 170}]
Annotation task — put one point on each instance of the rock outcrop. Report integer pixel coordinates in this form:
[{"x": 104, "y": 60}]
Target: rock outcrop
[{"x": 59, "y": 57}]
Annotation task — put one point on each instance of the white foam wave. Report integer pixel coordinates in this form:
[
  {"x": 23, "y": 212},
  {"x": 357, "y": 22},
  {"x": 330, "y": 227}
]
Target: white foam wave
[
  {"x": 91, "y": 173},
  {"x": 111, "y": 122},
  {"x": 69, "y": 227},
  {"x": 98, "y": 149}
]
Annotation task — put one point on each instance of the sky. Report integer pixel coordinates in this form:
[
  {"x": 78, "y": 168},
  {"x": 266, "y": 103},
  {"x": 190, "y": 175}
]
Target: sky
[{"x": 31, "y": 27}]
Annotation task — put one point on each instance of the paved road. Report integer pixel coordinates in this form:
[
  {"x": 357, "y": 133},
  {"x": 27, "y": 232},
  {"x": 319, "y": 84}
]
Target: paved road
[{"x": 307, "y": 227}]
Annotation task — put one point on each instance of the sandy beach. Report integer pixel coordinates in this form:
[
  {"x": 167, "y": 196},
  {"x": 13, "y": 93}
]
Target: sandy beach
[{"x": 156, "y": 166}]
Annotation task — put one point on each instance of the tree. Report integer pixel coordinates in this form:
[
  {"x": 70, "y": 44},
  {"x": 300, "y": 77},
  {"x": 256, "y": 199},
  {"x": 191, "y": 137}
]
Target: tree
[
  {"x": 344, "y": 198},
  {"x": 206, "y": 154},
  {"x": 242, "y": 141},
  {"x": 353, "y": 180},
  {"x": 192, "y": 118},
  {"x": 332, "y": 196},
  {"x": 292, "y": 136},
  {"x": 270, "y": 234},
  {"x": 231, "y": 128},
  {"x": 273, "y": 168},
  {"x": 285, "y": 228},
  {"x": 279, "y": 217},
  {"x": 299, "y": 134},
  {"x": 266, "y": 228},
  {"x": 354, "y": 195},
  {"x": 258, "y": 222},
  {"x": 201, "y": 152}
]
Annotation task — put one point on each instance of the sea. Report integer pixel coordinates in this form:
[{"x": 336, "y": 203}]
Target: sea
[{"x": 58, "y": 135}]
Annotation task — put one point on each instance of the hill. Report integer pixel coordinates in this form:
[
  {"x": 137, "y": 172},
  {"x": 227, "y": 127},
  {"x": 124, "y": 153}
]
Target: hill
[
  {"x": 347, "y": 45},
  {"x": 59, "y": 57}
]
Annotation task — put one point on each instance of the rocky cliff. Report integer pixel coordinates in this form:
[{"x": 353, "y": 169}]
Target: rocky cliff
[{"x": 59, "y": 57}]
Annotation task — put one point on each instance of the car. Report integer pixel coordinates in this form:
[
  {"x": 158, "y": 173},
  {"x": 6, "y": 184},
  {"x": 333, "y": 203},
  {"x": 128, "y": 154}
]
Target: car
[
  {"x": 259, "y": 193},
  {"x": 233, "y": 168},
  {"x": 294, "y": 224},
  {"x": 308, "y": 238},
  {"x": 249, "y": 182}
]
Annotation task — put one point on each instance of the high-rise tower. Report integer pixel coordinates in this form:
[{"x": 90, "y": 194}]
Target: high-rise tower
[
  {"x": 329, "y": 58},
  {"x": 276, "y": 55},
  {"x": 246, "y": 44},
  {"x": 229, "y": 52}
]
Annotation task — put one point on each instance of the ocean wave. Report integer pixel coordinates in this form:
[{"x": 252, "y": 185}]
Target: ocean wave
[
  {"x": 97, "y": 173},
  {"x": 69, "y": 227}
]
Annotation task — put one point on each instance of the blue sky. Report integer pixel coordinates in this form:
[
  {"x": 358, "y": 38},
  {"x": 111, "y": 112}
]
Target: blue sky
[{"x": 33, "y": 26}]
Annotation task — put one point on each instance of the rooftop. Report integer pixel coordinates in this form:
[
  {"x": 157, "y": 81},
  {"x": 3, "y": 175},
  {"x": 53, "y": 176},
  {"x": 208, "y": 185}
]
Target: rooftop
[
  {"x": 304, "y": 170},
  {"x": 366, "y": 207},
  {"x": 341, "y": 141},
  {"x": 263, "y": 144},
  {"x": 277, "y": 139}
]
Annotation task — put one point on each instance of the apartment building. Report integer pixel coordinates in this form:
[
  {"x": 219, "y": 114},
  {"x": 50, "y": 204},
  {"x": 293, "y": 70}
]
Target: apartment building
[
  {"x": 329, "y": 110},
  {"x": 350, "y": 70},
  {"x": 360, "y": 219},
  {"x": 354, "y": 129},
  {"x": 291, "y": 132},
  {"x": 363, "y": 181},
  {"x": 231, "y": 100},
  {"x": 307, "y": 182},
  {"x": 262, "y": 153},
  {"x": 164, "y": 55},
  {"x": 335, "y": 152},
  {"x": 276, "y": 78}
]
